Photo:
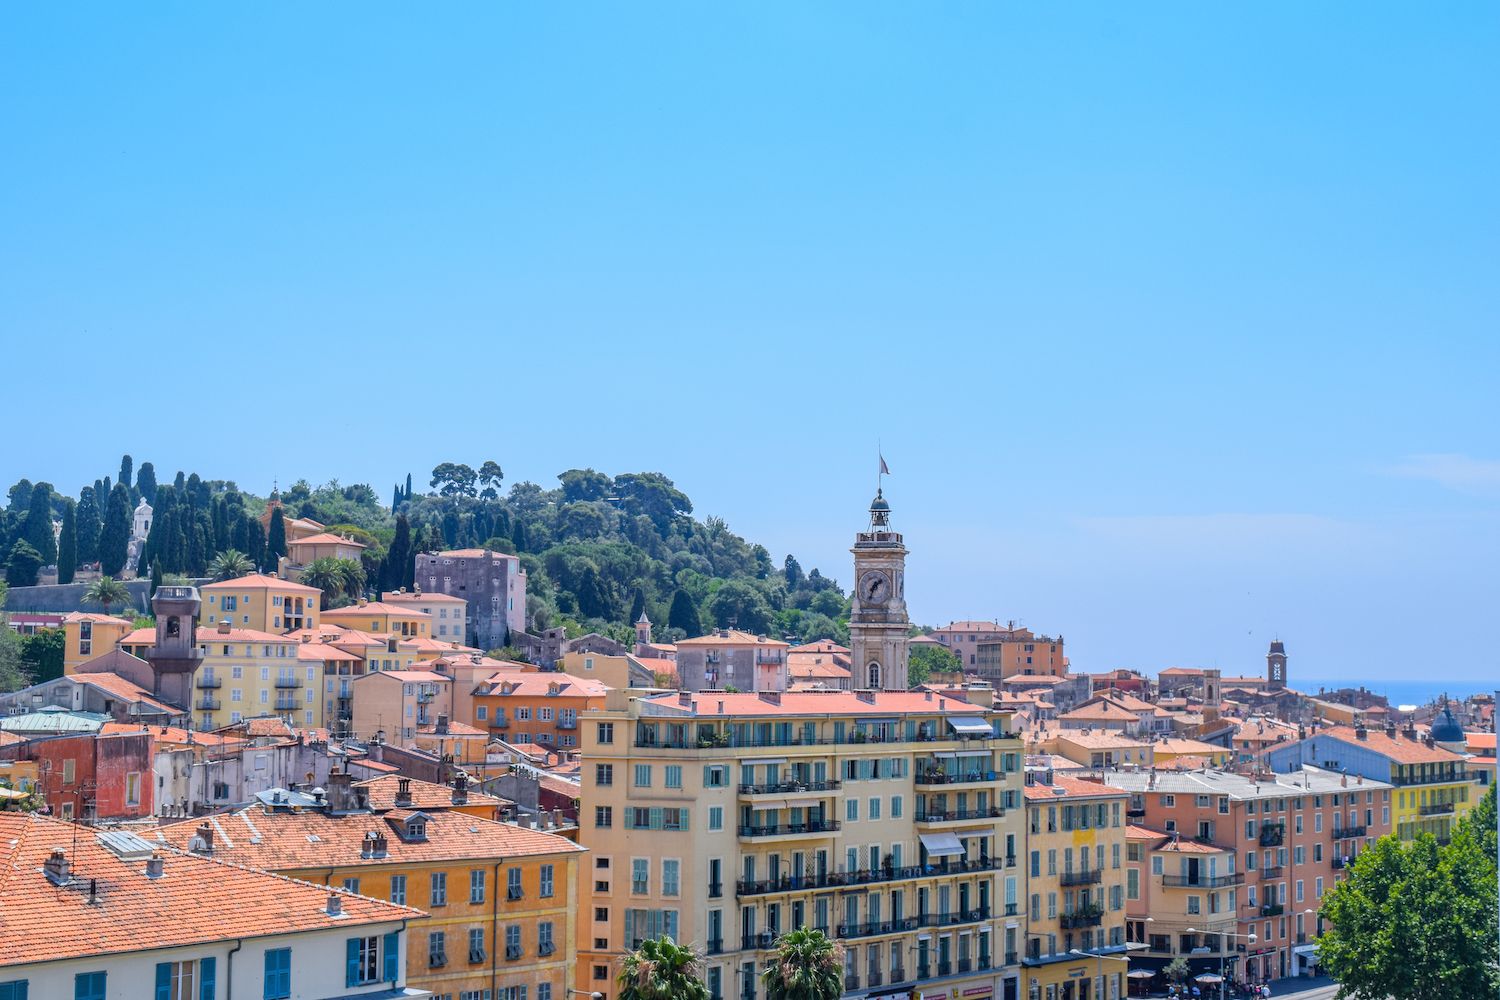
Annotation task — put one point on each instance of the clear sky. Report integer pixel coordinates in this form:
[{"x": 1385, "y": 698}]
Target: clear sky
[{"x": 1179, "y": 323}]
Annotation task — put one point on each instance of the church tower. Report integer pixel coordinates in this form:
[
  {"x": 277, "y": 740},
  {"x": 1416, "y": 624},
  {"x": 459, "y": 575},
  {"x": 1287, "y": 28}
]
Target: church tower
[
  {"x": 877, "y": 620},
  {"x": 1276, "y": 666}
]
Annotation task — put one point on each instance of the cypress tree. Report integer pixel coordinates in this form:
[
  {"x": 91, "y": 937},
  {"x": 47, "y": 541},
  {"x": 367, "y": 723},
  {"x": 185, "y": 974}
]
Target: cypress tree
[
  {"x": 89, "y": 517},
  {"x": 38, "y": 527},
  {"x": 399, "y": 556},
  {"x": 395, "y": 498},
  {"x": 275, "y": 540},
  {"x": 155, "y": 577},
  {"x": 518, "y": 535},
  {"x": 255, "y": 541},
  {"x": 145, "y": 482},
  {"x": 127, "y": 470},
  {"x": 637, "y": 606},
  {"x": 67, "y": 544},
  {"x": 114, "y": 538},
  {"x": 180, "y": 483},
  {"x": 684, "y": 614},
  {"x": 408, "y": 486},
  {"x": 200, "y": 543}
]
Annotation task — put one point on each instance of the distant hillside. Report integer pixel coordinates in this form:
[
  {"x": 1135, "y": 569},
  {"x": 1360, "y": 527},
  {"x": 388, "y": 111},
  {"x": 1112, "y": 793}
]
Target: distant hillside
[{"x": 598, "y": 550}]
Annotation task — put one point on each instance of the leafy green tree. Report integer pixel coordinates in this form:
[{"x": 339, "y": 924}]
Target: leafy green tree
[
  {"x": 740, "y": 605},
  {"x": 114, "y": 537},
  {"x": 336, "y": 578},
  {"x": 927, "y": 659},
  {"x": 1177, "y": 970},
  {"x": 90, "y": 519},
  {"x": 127, "y": 465},
  {"x": 37, "y": 528},
  {"x": 67, "y": 544},
  {"x": 489, "y": 477},
  {"x": 12, "y": 676},
  {"x": 683, "y": 614},
  {"x": 453, "y": 479},
  {"x": 42, "y": 654},
  {"x": 230, "y": 564},
  {"x": 584, "y": 485},
  {"x": 792, "y": 569},
  {"x": 107, "y": 591},
  {"x": 654, "y": 495},
  {"x": 661, "y": 969},
  {"x": 276, "y": 541},
  {"x": 22, "y": 565},
  {"x": 1414, "y": 922},
  {"x": 145, "y": 482},
  {"x": 807, "y": 966}
]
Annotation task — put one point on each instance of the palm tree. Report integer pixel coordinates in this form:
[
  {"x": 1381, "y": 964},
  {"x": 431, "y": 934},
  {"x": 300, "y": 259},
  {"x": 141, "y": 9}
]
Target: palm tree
[
  {"x": 327, "y": 574},
  {"x": 661, "y": 969},
  {"x": 230, "y": 564},
  {"x": 808, "y": 966},
  {"x": 106, "y": 591}
]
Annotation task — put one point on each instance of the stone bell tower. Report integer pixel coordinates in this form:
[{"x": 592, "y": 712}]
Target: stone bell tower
[
  {"x": 877, "y": 619},
  {"x": 1276, "y": 666},
  {"x": 176, "y": 656}
]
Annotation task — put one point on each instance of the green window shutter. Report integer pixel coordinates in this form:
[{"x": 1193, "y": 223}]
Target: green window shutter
[
  {"x": 351, "y": 962},
  {"x": 208, "y": 982},
  {"x": 163, "y": 980}
]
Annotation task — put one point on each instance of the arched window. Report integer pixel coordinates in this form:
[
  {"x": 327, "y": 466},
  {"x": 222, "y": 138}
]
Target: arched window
[
  {"x": 174, "y": 627},
  {"x": 874, "y": 676}
]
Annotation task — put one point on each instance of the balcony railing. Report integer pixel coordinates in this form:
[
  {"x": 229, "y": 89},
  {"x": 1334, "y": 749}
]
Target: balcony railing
[
  {"x": 288, "y": 682},
  {"x": 1135, "y": 812},
  {"x": 567, "y": 723},
  {"x": 753, "y": 942},
  {"x": 945, "y": 967},
  {"x": 863, "y": 876},
  {"x": 942, "y": 778},
  {"x": 898, "y": 975},
  {"x": 1437, "y": 809},
  {"x": 851, "y": 982},
  {"x": 1272, "y": 834},
  {"x": 207, "y": 704},
  {"x": 1087, "y": 876},
  {"x": 924, "y": 970},
  {"x": 788, "y": 829},
  {"x": 499, "y": 722},
  {"x": 953, "y": 815},
  {"x": 1272, "y": 871},
  {"x": 790, "y": 787},
  {"x": 210, "y": 682},
  {"x": 288, "y": 704},
  {"x": 716, "y": 946},
  {"x": 707, "y": 742},
  {"x": 1011, "y": 958},
  {"x": 1349, "y": 833},
  {"x": 878, "y": 927},
  {"x": 1201, "y": 881},
  {"x": 1091, "y": 917},
  {"x": 715, "y": 890},
  {"x": 1272, "y": 910}
]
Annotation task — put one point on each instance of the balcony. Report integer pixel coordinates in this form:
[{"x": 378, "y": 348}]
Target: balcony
[
  {"x": 958, "y": 815},
  {"x": 877, "y": 928},
  {"x": 1349, "y": 833},
  {"x": 716, "y": 946},
  {"x": 955, "y": 917},
  {"x": 1437, "y": 809},
  {"x": 288, "y": 704},
  {"x": 715, "y": 890},
  {"x": 876, "y": 978},
  {"x": 1272, "y": 834},
  {"x": 210, "y": 682},
  {"x": 708, "y": 741},
  {"x": 571, "y": 723},
  {"x": 208, "y": 704},
  {"x": 423, "y": 697},
  {"x": 1272, "y": 910},
  {"x": 1091, "y": 916},
  {"x": 944, "y": 967},
  {"x": 1272, "y": 871},
  {"x": 935, "y": 777},
  {"x": 851, "y": 982},
  {"x": 965, "y": 965},
  {"x": 815, "y": 828},
  {"x": 1201, "y": 881},
  {"x": 499, "y": 722},
  {"x": 287, "y": 683},
  {"x": 1135, "y": 812},
  {"x": 790, "y": 787},
  {"x": 863, "y": 876},
  {"x": 1087, "y": 876},
  {"x": 1011, "y": 958},
  {"x": 757, "y": 942},
  {"x": 898, "y": 975},
  {"x": 924, "y": 971}
]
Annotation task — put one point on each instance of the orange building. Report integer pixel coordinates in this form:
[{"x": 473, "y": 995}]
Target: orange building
[
  {"x": 88, "y": 635},
  {"x": 260, "y": 602},
  {"x": 536, "y": 707}
]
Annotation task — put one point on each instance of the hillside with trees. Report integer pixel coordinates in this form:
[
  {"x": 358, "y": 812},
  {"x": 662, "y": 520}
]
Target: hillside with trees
[{"x": 598, "y": 549}]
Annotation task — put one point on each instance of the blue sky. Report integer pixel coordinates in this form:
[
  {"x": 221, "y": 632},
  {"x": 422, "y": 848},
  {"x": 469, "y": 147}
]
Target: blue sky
[{"x": 1177, "y": 323}]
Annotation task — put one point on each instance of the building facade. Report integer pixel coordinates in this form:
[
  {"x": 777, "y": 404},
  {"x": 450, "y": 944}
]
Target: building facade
[
  {"x": 260, "y": 602},
  {"x": 728, "y": 658},
  {"x": 493, "y": 584}
]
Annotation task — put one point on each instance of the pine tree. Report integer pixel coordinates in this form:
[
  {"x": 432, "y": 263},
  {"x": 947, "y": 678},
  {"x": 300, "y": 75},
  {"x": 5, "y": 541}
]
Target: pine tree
[
  {"x": 145, "y": 482},
  {"x": 180, "y": 483},
  {"x": 90, "y": 518},
  {"x": 275, "y": 541},
  {"x": 155, "y": 577},
  {"x": 114, "y": 538},
  {"x": 127, "y": 469},
  {"x": 67, "y": 544},
  {"x": 37, "y": 529},
  {"x": 684, "y": 614}
]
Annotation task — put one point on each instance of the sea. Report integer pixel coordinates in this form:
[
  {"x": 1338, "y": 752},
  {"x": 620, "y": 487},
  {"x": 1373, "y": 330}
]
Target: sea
[{"x": 1402, "y": 692}]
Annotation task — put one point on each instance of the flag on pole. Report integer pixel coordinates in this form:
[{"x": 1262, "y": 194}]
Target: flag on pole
[{"x": 885, "y": 470}]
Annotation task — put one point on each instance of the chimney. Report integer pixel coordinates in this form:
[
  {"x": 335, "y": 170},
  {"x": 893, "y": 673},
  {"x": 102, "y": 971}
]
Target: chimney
[
  {"x": 928, "y": 695},
  {"x": 865, "y": 696},
  {"x": 307, "y": 637},
  {"x": 403, "y": 793},
  {"x": 155, "y": 866},
  {"x": 685, "y": 699},
  {"x": 441, "y": 729},
  {"x": 374, "y": 845},
  {"x": 56, "y": 867},
  {"x": 363, "y": 601},
  {"x": 1390, "y": 729},
  {"x": 1360, "y": 732},
  {"x": 340, "y": 792},
  {"x": 460, "y": 789},
  {"x": 203, "y": 840},
  {"x": 335, "y": 905},
  {"x": 770, "y": 697},
  {"x": 224, "y": 627},
  {"x": 721, "y": 708}
]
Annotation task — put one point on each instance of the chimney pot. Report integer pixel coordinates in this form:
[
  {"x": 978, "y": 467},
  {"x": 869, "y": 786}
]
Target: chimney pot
[
  {"x": 335, "y": 905},
  {"x": 223, "y": 627},
  {"x": 155, "y": 866}
]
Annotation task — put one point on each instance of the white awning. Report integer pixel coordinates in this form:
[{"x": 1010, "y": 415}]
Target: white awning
[
  {"x": 945, "y": 754},
  {"x": 803, "y": 802},
  {"x": 765, "y": 760},
  {"x": 941, "y": 845},
  {"x": 969, "y": 724},
  {"x": 1306, "y": 949}
]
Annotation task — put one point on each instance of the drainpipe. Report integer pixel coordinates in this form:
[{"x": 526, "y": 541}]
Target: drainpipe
[
  {"x": 495, "y": 934},
  {"x": 229, "y": 970}
]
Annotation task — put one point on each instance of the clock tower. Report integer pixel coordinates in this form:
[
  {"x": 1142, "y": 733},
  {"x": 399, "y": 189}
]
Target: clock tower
[
  {"x": 877, "y": 619},
  {"x": 1276, "y": 666}
]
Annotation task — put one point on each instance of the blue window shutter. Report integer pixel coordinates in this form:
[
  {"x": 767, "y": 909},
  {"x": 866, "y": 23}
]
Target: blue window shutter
[
  {"x": 13, "y": 990},
  {"x": 208, "y": 983},
  {"x": 392, "y": 957},
  {"x": 163, "y": 980},
  {"x": 351, "y": 956}
]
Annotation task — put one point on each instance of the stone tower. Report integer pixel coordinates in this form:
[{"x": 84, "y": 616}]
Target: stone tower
[
  {"x": 877, "y": 620},
  {"x": 1276, "y": 666},
  {"x": 176, "y": 656}
]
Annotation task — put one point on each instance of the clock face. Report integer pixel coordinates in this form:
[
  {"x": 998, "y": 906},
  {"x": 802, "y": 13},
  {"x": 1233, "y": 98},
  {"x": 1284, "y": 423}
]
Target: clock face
[{"x": 874, "y": 588}]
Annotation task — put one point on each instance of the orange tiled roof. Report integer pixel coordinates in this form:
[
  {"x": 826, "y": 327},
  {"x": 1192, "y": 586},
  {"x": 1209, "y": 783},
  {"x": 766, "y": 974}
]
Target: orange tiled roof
[
  {"x": 325, "y": 538},
  {"x": 434, "y": 597},
  {"x": 260, "y": 581},
  {"x": 86, "y": 616},
  {"x": 271, "y": 839},
  {"x": 210, "y": 634},
  {"x": 971, "y": 626},
  {"x": 1072, "y": 788},
  {"x": 1400, "y": 750},
  {"x": 1182, "y": 672},
  {"x": 735, "y": 637},
  {"x": 475, "y": 554},
  {"x": 658, "y": 664},
  {"x": 408, "y": 675},
  {"x": 375, "y": 608},
  {"x": 424, "y": 794},
  {"x": 454, "y": 729},
  {"x": 1099, "y": 740},
  {"x": 1182, "y": 745},
  {"x": 125, "y": 689},
  {"x": 326, "y": 652},
  {"x": 172, "y": 735},
  {"x": 196, "y": 900},
  {"x": 821, "y": 646},
  {"x": 1101, "y": 711},
  {"x": 539, "y": 685}
]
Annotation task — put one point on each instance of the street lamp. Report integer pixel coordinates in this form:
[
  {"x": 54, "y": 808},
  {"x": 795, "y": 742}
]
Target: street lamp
[
  {"x": 1223, "y": 984},
  {"x": 1096, "y": 954},
  {"x": 595, "y": 995}
]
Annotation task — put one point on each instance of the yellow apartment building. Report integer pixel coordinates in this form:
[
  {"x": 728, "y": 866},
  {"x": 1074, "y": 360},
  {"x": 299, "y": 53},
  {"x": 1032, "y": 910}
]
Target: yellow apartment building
[
  {"x": 891, "y": 820},
  {"x": 500, "y": 900},
  {"x": 87, "y": 636},
  {"x": 380, "y": 618},
  {"x": 1075, "y": 889},
  {"x": 259, "y": 602}
]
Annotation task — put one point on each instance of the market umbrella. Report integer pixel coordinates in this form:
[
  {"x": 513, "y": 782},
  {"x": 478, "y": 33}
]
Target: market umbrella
[
  {"x": 1210, "y": 977},
  {"x": 1140, "y": 974}
]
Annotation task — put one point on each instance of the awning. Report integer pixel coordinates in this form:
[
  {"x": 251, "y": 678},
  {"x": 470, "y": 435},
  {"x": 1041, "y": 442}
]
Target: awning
[
  {"x": 1306, "y": 949},
  {"x": 970, "y": 724},
  {"x": 803, "y": 802},
  {"x": 964, "y": 753},
  {"x": 765, "y": 760},
  {"x": 941, "y": 845}
]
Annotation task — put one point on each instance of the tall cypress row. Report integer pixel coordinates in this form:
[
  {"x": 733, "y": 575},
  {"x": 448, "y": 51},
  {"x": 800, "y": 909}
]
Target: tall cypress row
[
  {"x": 114, "y": 539},
  {"x": 67, "y": 544},
  {"x": 275, "y": 540}
]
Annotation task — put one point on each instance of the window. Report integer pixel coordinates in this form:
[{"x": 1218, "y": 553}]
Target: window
[
  {"x": 851, "y": 810},
  {"x": 874, "y": 808},
  {"x": 476, "y": 885},
  {"x": 643, "y": 776},
  {"x": 278, "y": 977},
  {"x": 546, "y": 890},
  {"x": 476, "y": 945},
  {"x": 544, "y": 944},
  {"x": 133, "y": 788},
  {"x": 716, "y": 817},
  {"x": 513, "y": 884},
  {"x": 351, "y": 885},
  {"x": 88, "y": 986},
  {"x": 604, "y": 774},
  {"x": 670, "y": 877},
  {"x": 674, "y": 776},
  {"x": 895, "y": 807},
  {"x": 398, "y": 889},
  {"x": 439, "y": 891},
  {"x": 606, "y": 732},
  {"x": 15, "y": 989},
  {"x": 512, "y": 942},
  {"x": 370, "y": 960},
  {"x": 437, "y": 949},
  {"x": 603, "y": 817},
  {"x": 185, "y": 980},
  {"x": 640, "y": 876}
]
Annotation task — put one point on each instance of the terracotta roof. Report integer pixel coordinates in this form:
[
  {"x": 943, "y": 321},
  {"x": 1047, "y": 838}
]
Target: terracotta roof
[
  {"x": 1480, "y": 741},
  {"x": 375, "y": 608},
  {"x": 706, "y": 703},
  {"x": 475, "y": 554},
  {"x": 433, "y": 598},
  {"x": 118, "y": 686},
  {"x": 1103, "y": 711},
  {"x": 210, "y": 634},
  {"x": 539, "y": 685},
  {"x": 172, "y": 735},
  {"x": 10, "y": 739},
  {"x": 821, "y": 646},
  {"x": 196, "y": 899},
  {"x": 734, "y": 637},
  {"x": 425, "y": 795},
  {"x": 1182, "y": 672},
  {"x": 325, "y": 538},
  {"x": 1400, "y": 750},
  {"x": 1072, "y": 788},
  {"x": 408, "y": 675},
  {"x": 1099, "y": 740},
  {"x": 971, "y": 626},
  {"x": 264, "y": 726},
  {"x": 260, "y": 581},
  {"x": 326, "y": 652},
  {"x": 1181, "y": 745},
  {"x": 276, "y": 839},
  {"x": 658, "y": 664},
  {"x": 454, "y": 729},
  {"x": 85, "y": 616},
  {"x": 561, "y": 786},
  {"x": 801, "y": 668}
]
